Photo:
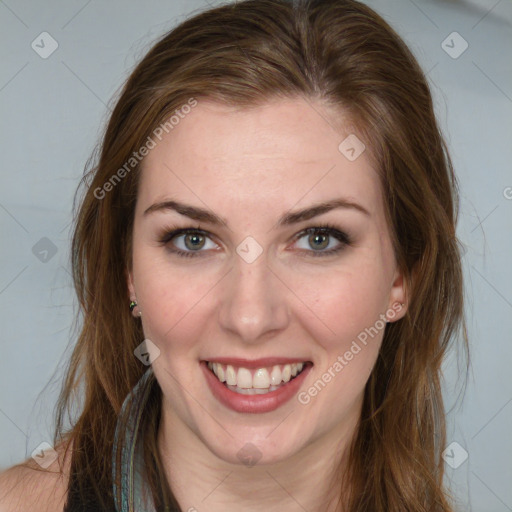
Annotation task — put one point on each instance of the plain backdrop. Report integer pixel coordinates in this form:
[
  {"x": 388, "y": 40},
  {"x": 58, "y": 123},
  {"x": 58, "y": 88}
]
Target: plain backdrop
[{"x": 54, "y": 106}]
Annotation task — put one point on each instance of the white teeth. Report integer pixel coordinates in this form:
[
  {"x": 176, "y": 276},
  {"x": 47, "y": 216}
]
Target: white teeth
[
  {"x": 261, "y": 379},
  {"x": 244, "y": 378},
  {"x": 219, "y": 371},
  {"x": 287, "y": 373},
  {"x": 252, "y": 391},
  {"x": 258, "y": 381},
  {"x": 220, "y": 374},
  {"x": 275, "y": 376},
  {"x": 230, "y": 375}
]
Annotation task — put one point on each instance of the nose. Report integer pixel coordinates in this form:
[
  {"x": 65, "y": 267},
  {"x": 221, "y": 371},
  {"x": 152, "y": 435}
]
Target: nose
[{"x": 253, "y": 301}]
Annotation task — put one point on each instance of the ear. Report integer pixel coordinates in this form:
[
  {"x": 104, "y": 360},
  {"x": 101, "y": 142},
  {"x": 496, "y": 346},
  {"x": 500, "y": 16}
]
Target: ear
[
  {"x": 131, "y": 287},
  {"x": 397, "y": 297}
]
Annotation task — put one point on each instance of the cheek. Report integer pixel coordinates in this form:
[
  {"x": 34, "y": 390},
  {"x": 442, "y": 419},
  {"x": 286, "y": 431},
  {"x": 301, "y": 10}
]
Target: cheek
[
  {"x": 348, "y": 338},
  {"x": 346, "y": 302},
  {"x": 172, "y": 301}
]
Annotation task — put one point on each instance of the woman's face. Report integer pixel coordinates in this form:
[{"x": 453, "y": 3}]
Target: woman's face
[{"x": 253, "y": 291}]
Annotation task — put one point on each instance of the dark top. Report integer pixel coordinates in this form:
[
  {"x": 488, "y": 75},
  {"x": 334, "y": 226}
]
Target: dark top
[{"x": 90, "y": 501}]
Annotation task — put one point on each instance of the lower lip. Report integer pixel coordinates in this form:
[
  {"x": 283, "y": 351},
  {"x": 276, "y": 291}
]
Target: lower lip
[{"x": 253, "y": 403}]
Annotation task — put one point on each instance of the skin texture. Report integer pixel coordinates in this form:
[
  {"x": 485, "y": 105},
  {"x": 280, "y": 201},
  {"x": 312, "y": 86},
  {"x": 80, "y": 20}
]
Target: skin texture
[
  {"x": 250, "y": 167},
  {"x": 28, "y": 487}
]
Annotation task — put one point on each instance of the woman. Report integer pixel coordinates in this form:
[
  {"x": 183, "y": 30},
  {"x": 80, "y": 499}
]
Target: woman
[{"x": 266, "y": 259}]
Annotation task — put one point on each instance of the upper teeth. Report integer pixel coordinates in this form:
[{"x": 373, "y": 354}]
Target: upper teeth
[{"x": 261, "y": 378}]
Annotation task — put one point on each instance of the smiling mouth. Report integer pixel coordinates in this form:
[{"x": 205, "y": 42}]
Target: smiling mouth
[{"x": 257, "y": 381}]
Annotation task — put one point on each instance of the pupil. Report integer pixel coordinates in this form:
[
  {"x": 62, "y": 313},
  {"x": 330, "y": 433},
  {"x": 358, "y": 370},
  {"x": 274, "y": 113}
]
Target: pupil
[
  {"x": 196, "y": 241},
  {"x": 316, "y": 238}
]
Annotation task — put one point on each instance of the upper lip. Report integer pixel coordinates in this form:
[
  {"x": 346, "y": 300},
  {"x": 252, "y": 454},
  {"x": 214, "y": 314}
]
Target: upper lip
[{"x": 256, "y": 363}]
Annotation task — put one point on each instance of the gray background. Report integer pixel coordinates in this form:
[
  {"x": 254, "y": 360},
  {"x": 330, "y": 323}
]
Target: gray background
[{"x": 52, "y": 111}]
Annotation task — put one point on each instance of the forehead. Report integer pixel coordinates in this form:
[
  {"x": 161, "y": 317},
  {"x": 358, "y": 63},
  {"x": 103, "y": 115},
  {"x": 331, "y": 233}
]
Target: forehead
[{"x": 274, "y": 155}]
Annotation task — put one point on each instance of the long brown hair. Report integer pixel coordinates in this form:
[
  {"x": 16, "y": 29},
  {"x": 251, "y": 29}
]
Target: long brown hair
[{"x": 342, "y": 53}]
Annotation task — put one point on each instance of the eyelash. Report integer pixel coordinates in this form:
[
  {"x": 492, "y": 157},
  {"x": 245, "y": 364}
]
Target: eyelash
[{"x": 323, "y": 229}]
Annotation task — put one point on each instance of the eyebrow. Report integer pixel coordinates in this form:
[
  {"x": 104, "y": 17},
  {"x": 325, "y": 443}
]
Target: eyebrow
[{"x": 287, "y": 219}]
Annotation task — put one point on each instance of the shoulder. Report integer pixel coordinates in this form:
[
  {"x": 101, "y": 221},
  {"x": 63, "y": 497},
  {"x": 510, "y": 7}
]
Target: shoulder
[{"x": 27, "y": 486}]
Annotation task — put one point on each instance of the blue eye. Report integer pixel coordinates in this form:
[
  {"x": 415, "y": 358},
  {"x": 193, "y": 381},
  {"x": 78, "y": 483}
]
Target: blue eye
[{"x": 192, "y": 240}]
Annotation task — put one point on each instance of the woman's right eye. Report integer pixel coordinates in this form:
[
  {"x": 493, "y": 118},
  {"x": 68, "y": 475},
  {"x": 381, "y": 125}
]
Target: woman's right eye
[{"x": 186, "y": 242}]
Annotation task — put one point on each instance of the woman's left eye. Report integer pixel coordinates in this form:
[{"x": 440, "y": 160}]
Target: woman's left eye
[
  {"x": 320, "y": 237},
  {"x": 188, "y": 242}
]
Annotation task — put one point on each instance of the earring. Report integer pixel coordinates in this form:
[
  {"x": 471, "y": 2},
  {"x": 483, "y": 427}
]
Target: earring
[{"x": 133, "y": 305}]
